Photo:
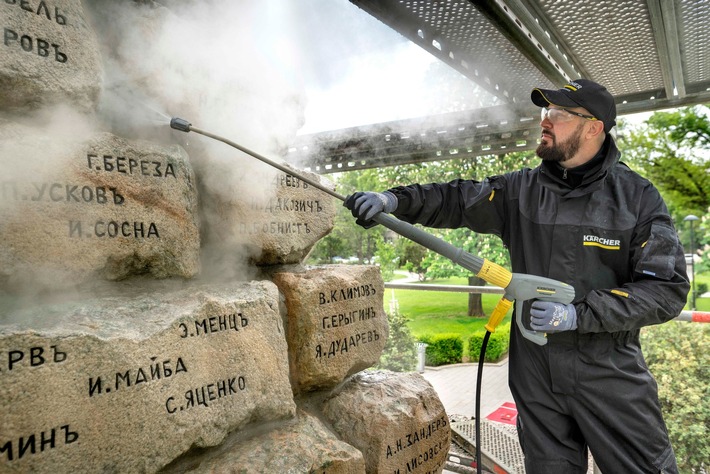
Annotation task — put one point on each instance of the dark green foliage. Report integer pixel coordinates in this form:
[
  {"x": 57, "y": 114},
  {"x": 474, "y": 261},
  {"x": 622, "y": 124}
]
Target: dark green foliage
[
  {"x": 400, "y": 352},
  {"x": 677, "y": 355},
  {"x": 443, "y": 349},
  {"x": 497, "y": 347}
]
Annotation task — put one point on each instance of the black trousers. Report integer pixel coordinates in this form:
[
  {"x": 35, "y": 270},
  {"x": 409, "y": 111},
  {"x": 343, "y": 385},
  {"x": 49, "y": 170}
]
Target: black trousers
[{"x": 588, "y": 390}]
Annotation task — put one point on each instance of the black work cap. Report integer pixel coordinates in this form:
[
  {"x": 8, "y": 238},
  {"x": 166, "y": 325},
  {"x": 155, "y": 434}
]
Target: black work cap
[{"x": 580, "y": 93}]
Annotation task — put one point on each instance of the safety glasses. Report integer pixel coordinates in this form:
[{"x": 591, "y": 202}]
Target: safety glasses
[{"x": 561, "y": 115}]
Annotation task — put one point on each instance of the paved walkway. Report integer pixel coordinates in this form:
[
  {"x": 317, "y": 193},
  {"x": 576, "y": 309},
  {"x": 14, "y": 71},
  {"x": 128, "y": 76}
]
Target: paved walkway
[{"x": 456, "y": 386}]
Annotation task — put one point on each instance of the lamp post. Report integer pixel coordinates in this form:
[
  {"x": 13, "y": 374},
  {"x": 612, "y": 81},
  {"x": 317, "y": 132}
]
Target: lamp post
[{"x": 691, "y": 218}]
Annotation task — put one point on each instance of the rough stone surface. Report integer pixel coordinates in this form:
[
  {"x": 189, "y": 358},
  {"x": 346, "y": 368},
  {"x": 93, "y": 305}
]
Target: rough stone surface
[
  {"x": 102, "y": 208},
  {"x": 298, "y": 446},
  {"x": 49, "y": 56},
  {"x": 127, "y": 384},
  {"x": 279, "y": 224},
  {"x": 395, "y": 419},
  {"x": 336, "y": 323}
]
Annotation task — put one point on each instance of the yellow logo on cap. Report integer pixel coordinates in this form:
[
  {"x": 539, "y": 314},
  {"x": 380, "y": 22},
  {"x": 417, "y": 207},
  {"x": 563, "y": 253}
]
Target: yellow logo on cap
[{"x": 572, "y": 88}]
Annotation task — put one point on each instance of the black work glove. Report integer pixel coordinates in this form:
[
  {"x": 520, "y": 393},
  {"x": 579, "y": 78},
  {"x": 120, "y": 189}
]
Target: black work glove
[{"x": 366, "y": 205}]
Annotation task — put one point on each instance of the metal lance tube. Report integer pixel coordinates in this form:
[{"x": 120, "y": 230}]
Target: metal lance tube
[{"x": 517, "y": 286}]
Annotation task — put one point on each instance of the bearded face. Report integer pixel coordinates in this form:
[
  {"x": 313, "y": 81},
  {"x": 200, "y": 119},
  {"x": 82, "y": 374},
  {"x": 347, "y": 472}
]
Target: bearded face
[{"x": 550, "y": 149}]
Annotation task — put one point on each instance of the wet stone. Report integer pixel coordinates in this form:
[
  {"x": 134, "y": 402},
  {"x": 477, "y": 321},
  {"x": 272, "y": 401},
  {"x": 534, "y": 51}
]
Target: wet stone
[
  {"x": 336, "y": 323},
  {"x": 128, "y": 384},
  {"x": 395, "y": 419}
]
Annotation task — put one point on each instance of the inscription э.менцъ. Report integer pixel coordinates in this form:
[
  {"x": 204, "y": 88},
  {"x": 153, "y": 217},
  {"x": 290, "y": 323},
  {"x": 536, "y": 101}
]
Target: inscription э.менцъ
[
  {"x": 214, "y": 324},
  {"x": 156, "y": 370},
  {"x": 207, "y": 393}
]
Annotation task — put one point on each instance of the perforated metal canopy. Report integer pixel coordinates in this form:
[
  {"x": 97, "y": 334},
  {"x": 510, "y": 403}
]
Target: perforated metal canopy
[{"x": 650, "y": 54}]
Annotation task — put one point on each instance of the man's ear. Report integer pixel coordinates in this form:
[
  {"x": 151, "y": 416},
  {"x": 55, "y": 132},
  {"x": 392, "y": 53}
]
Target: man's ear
[{"x": 596, "y": 129}]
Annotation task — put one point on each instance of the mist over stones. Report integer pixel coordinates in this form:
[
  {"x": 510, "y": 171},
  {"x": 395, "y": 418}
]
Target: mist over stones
[{"x": 155, "y": 310}]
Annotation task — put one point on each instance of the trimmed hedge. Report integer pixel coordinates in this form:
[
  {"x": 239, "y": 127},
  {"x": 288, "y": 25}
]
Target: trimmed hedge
[
  {"x": 678, "y": 357},
  {"x": 443, "y": 349},
  {"x": 497, "y": 348}
]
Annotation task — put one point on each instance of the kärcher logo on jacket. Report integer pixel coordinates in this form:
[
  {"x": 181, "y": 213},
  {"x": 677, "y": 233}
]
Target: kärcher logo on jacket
[{"x": 596, "y": 241}]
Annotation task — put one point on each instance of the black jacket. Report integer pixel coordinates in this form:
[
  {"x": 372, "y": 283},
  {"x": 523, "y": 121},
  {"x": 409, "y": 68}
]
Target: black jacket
[{"x": 610, "y": 237}]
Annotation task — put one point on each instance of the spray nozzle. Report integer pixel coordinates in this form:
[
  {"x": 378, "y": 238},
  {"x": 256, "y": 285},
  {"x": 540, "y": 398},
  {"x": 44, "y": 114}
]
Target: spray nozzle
[{"x": 180, "y": 124}]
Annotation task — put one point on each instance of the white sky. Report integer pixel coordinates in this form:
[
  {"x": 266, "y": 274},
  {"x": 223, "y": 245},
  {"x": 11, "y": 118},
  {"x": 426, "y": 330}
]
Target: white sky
[{"x": 358, "y": 71}]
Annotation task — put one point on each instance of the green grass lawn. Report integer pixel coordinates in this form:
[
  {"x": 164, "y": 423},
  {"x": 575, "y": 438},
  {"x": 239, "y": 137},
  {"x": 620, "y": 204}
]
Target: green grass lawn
[{"x": 442, "y": 312}]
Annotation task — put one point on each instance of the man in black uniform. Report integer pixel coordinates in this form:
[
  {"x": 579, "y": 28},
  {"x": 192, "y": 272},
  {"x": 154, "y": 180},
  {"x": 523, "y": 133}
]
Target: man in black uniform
[{"x": 584, "y": 218}]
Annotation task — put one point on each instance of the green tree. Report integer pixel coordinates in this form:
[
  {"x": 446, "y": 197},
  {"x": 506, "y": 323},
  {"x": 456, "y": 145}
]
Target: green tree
[{"x": 672, "y": 150}]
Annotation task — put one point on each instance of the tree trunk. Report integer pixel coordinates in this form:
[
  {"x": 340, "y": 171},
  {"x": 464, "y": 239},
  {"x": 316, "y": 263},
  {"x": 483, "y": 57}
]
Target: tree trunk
[{"x": 475, "y": 303}]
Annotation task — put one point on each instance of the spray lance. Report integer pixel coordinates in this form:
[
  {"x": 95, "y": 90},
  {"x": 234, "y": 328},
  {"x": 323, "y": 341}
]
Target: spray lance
[{"x": 517, "y": 286}]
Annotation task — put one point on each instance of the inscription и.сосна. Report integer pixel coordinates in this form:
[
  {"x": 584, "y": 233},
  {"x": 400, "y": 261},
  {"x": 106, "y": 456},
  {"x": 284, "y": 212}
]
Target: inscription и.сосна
[
  {"x": 207, "y": 393},
  {"x": 112, "y": 229}
]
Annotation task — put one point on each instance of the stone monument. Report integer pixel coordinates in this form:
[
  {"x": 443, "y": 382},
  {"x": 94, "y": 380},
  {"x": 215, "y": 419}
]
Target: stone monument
[{"x": 155, "y": 311}]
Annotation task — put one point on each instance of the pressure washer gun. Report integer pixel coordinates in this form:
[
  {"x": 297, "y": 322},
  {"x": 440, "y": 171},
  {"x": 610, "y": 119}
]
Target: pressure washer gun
[{"x": 518, "y": 287}]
